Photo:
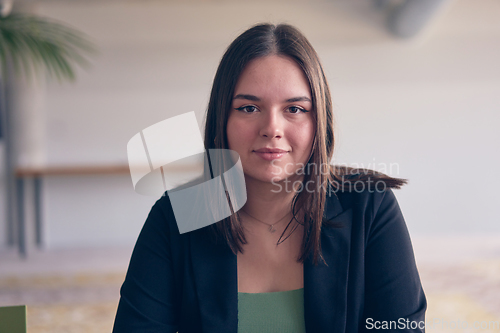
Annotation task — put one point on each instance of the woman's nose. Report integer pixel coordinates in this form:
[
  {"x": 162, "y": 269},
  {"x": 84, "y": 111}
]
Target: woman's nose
[{"x": 272, "y": 126}]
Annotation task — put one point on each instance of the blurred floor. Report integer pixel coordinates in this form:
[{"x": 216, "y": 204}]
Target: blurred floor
[
  {"x": 461, "y": 278},
  {"x": 70, "y": 291},
  {"x": 78, "y": 290}
]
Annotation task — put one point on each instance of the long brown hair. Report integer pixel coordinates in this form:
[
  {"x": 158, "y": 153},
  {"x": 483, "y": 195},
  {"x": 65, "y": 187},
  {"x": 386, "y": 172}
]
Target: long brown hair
[{"x": 285, "y": 40}]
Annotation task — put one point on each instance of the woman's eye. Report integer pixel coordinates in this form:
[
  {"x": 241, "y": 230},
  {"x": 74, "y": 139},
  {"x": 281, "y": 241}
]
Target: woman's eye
[
  {"x": 247, "y": 108},
  {"x": 296, "y": 109}
]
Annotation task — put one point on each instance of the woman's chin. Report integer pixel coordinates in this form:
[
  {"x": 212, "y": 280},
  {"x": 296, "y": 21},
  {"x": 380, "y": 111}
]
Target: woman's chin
[
  {"x": 263, "y": 179},
  {"x": 273, "y": 179}
]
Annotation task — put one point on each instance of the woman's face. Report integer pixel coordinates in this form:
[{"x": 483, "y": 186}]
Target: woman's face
[{"x": 271, "y": 125}]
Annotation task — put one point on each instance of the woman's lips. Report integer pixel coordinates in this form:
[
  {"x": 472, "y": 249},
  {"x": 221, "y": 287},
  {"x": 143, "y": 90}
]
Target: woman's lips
[{"x": 270, "y": 154}]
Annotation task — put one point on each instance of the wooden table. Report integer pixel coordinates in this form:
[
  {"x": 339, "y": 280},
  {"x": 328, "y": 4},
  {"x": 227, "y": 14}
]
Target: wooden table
[{"x": 35, "y": 175}]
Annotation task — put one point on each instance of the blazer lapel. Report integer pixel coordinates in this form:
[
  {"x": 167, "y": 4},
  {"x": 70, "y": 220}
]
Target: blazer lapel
[
  {"x": 325, "y": 286},
  {"x": 215, "y": 277}
]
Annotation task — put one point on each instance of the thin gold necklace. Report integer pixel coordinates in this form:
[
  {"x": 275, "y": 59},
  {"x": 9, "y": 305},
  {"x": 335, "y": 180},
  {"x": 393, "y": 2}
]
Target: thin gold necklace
[{"x": 271, "y": 228}]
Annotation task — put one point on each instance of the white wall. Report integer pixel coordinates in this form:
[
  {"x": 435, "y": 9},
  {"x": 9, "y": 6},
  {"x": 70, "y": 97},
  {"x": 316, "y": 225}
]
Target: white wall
[{"x": 429, "y": 105}]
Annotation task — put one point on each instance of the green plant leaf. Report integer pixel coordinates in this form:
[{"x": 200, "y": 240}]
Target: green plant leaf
[{"x": 33, "y": 44}]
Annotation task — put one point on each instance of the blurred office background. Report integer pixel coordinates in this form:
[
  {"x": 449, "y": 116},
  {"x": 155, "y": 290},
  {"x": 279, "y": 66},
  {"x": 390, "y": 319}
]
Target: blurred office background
[{"x": 416, "y": 89}]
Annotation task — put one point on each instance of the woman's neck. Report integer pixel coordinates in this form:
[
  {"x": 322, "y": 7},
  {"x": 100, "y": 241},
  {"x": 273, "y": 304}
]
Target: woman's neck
[{"x": 268, "y": 201}]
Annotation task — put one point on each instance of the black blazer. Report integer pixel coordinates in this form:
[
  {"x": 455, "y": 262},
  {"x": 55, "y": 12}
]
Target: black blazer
[{"x": 187, "y": 283}]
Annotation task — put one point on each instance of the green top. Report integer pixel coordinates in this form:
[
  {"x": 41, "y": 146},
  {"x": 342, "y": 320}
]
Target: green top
[{"x": 281, "y": 311}]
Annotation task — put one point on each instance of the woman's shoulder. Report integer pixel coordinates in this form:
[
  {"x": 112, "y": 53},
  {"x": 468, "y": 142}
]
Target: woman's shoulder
[
  {"x": 161, "y": 217},
  {"x": 348, "y": 179},
  {"x": 169, "y": 213},
  {"x": 362, "y": 190}
]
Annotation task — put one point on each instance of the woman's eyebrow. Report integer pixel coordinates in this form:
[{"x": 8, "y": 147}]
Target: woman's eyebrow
[
  {"x": 248, "y": 97},
  {"x": 256, "y": 99},
  {"x": 298, "y": 99}
]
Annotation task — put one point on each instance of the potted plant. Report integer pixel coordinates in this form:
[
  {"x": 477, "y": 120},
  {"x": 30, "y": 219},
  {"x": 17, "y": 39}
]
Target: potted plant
[{"x": 31, "y": 45}]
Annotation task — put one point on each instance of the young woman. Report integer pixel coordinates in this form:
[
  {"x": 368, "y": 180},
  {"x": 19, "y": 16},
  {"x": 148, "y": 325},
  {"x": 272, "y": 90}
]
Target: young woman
[{"x": 315, "y": 248}]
